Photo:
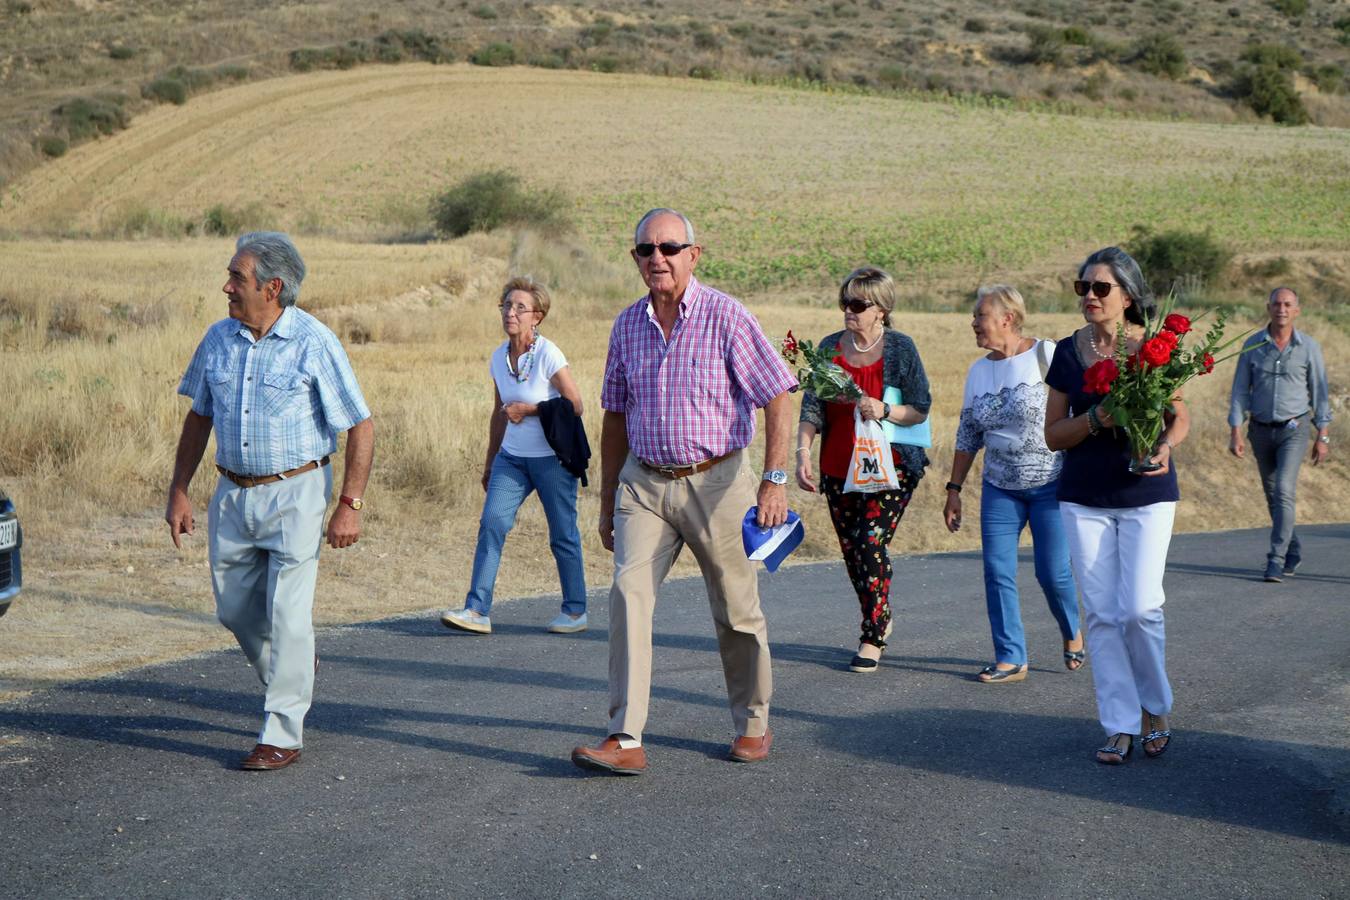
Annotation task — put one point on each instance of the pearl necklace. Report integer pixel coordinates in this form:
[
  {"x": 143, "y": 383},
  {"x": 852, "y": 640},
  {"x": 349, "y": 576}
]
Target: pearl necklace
[
  {"x": 1092, "y": 342},
  {"x": 871, "y": 345}
]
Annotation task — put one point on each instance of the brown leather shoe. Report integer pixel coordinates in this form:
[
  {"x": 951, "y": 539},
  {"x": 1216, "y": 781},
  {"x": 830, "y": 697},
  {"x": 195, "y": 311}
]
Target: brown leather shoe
[
  {"x": 751, "y": 749},
  {"x": 265, "y": 758},
  {"x": 610, "y": 757}
]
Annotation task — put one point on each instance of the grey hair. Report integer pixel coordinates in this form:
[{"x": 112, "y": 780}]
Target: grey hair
[
  {"x": 1131, "y": 281},
  {"x": 1006, "y": 299},
  {"x": 664, "y": 211},
  {"x": 1271, "y": 298},
  {"x": 274, "y": 256}
]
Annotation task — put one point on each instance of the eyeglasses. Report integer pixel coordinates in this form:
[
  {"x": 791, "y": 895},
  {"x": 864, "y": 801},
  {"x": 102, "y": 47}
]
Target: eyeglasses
[
  {"x": 667, "y": 248},
  {"x": 519, "y": 309},
  {"x": 1099, "y": 288},
  {"x": 856, "y": 306}
]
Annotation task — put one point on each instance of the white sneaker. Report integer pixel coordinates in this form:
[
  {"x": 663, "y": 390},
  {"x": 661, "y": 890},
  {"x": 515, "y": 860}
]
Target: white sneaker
[
  {"x": 565, "y": 624},
  {"x": 466, "y": 620}
]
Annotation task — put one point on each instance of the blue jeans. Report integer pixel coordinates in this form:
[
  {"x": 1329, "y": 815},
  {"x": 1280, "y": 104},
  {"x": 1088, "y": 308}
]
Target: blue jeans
[
  {"x": 1279, "y": 452},
  {"x": 512, "y": 479},
  {"x": 1003, "y": 515}
]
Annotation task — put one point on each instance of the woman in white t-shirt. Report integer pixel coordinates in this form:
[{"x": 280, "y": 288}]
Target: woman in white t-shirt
[
  {"x": 527, "y": 369},
  {"x": 1003, "y": 412}
]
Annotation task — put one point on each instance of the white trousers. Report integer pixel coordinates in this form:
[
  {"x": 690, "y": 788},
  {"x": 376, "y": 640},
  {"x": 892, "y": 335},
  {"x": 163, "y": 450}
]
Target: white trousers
[
  {"x": 1118, "y": 560},
  {"x": 264, "y": 549}
]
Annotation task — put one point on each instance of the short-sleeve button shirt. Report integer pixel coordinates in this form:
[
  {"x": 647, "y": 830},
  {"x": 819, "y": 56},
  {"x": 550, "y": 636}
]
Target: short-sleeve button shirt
[
  {"x": 693, "y": 397},
  {"x": 277, "y": 402}
]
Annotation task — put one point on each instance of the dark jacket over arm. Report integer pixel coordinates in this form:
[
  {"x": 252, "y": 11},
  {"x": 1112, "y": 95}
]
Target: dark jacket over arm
[{"x": 566, "y": 434}]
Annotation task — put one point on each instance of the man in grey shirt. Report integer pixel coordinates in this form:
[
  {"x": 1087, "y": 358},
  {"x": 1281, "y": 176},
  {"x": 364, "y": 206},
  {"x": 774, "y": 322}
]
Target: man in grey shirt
[{"x": 1280, "y": 379}]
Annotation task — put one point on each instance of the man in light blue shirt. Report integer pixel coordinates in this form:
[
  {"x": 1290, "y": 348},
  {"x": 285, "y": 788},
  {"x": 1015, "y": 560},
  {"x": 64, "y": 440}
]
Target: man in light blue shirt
[
  {"x": 276, "y": 386},
  {"x": 1280, "y": 379}
]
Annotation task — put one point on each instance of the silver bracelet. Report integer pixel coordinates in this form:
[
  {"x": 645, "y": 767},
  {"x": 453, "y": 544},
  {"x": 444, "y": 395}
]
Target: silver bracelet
[{"x": 803, "y": 449}]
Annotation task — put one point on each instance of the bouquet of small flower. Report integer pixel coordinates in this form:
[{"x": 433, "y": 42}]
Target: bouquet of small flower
[
  {"x": 817, "y": 373},
  {"x": 1137, "y": 389}
]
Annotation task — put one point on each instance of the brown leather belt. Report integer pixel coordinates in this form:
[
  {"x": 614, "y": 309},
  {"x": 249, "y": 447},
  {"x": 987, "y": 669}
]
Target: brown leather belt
[
  {"x": 685, "y": 471},
  {"x": 248, "y": 481}
]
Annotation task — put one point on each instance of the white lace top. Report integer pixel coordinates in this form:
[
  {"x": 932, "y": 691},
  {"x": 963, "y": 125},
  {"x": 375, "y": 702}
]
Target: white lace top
[{"x": 1003, "y": 411}]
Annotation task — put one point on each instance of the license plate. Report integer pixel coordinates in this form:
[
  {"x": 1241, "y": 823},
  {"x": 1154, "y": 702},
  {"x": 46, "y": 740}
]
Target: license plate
[{"x": 9, "y": 533}]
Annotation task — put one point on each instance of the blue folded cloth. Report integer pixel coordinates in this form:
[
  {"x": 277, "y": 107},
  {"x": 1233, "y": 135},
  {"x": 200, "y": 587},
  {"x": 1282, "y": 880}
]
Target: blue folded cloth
[{"x": 771, "y": 545}]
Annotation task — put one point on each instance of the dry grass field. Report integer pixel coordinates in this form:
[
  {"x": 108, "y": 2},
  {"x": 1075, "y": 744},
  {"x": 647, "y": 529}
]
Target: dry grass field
[
  {"x": 789, "y": 186},
  {"x": 95, "y": 332}
]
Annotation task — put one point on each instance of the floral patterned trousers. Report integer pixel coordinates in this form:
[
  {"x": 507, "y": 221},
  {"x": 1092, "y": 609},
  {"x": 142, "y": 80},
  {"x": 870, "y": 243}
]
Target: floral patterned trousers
[{"x": 865, "y": 524}]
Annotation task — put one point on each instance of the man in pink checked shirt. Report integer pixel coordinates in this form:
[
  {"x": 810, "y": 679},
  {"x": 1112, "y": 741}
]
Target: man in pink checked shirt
[{"x": 687, "y": 368}]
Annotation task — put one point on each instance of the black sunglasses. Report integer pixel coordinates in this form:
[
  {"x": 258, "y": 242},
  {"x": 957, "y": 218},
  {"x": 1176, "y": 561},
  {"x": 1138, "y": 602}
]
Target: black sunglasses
[
  {"x": 1099, "y": 288},
  {"x": 856, "y": 306},
  {"x": 667, "y": 248}
]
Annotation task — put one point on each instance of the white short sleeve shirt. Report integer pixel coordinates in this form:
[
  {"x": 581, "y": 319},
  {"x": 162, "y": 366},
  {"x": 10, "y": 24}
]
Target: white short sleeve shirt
[{"x": 526, "y": 438}]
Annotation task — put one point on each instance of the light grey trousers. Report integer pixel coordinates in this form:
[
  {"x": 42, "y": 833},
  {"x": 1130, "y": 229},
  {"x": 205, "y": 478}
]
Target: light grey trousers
[
  {"x": 264, "y": 549},
  {"x": 1279, "y": 452}
]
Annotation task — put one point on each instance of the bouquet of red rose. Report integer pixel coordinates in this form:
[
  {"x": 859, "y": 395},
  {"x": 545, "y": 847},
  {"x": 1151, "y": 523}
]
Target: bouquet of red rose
[
  {"x": 817, "y": 372},
  {"x": 1137, "y": 389}
]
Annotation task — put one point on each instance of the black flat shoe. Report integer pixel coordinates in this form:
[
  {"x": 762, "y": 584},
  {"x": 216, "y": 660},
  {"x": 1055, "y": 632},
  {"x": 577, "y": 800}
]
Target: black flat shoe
[
  {"x": 1113, "y": 751},
  {"x": 862, "y": 664}
]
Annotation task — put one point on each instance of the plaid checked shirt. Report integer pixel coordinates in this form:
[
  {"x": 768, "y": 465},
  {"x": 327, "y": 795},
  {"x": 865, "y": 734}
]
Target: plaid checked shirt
[
  {"x": 276, "y": 403},
  {"x": 694, "y": 397}
]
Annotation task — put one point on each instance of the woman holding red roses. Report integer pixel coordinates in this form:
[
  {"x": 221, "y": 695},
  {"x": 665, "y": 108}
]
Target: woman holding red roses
[{"x": 1119, "y": 524}]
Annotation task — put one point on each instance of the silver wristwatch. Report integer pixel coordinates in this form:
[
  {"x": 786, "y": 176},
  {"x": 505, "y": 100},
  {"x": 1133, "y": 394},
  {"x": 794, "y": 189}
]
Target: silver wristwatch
[{"x": 777, "y": 476}]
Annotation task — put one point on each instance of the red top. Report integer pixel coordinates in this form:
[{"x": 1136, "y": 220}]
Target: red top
[{"x": 838, "y": 447}]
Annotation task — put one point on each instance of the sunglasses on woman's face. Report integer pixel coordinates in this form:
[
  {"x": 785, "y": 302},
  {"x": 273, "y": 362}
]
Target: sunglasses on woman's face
[
  {"x": 1099, "y": 288},
  {"x": 667, "y": 248},
  {"x": 856, "y": 306}
]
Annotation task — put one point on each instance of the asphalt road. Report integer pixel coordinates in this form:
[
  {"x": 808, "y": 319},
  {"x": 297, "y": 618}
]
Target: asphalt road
[{"x": 436, "y": 763}]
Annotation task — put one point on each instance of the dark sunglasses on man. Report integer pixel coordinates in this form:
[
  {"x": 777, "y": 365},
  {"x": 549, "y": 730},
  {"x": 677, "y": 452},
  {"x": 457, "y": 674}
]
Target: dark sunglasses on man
[
  {"x": 1099, "y": 288},
  {"x": 667, "y": 248},
  {"x": 856, "y": 306}
]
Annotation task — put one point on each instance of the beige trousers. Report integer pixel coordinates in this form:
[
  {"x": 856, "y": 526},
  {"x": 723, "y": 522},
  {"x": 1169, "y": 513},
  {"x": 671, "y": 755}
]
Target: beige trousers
[{"x": 654, "y": 518}]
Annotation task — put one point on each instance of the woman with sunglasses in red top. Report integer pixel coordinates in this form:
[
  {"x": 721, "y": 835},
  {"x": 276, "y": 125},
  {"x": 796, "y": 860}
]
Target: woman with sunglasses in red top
[
  {"x": 1119, "y": 524},
  {"x": 876, "y": 357}
]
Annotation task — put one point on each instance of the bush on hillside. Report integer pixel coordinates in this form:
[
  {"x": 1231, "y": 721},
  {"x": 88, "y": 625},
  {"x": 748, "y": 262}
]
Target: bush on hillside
[
  {"x": 88, "y": 117},
  {"x": 497, "y": 53},
  {"x": 1342, "y": 28},
  {"x": 1291, "y": 8},
  {"x": 1275, "y": 56},
  {"x": 121, "y": 52},
  {"x": 1184, "y": 261},
  {"x": 165, "y": 90},
  {"x": 1045, "y": 46},
  {"x": 1161, "y": 55},
  {"x": 1270, "y": 91},
  {"x": 493, "y": 199},
  {"x": 391, "y": 46},
  {"x": 53, "y": 145}
]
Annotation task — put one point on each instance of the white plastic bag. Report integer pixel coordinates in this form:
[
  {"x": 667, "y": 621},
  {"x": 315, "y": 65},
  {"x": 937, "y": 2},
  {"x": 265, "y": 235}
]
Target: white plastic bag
[{"x": 870, "y": 468}]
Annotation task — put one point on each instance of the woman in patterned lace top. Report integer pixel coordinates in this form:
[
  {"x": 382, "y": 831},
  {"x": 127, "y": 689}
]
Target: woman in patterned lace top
[{"x": 1003, "y": 411}]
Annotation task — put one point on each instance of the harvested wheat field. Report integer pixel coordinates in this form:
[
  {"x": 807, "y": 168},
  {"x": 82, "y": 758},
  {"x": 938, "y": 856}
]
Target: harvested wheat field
[{"x": 96, "y": 332}]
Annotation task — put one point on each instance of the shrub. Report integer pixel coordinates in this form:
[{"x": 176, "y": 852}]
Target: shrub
[
  {"x": 87, "y": 117},
  {"x": 492, "y": 199},
  {"x": 1045, "y": 46},
  {"x": 121, "y": 52},
  {"x": 897, "y": 78},
  {"x": 605, "y": 64},
  {"x": 1184, "y": 260},
  {"x": 166, "y": 90},
  {"x": 483, "y": 11},
  {"x": 1329, "y": 78},
  {"x": 1268, "y": 268},
  {"x": 1342, "y": 27},
  {"x": 228, "y": 221},
  {"x": 597, "y": 33},
  {"x": 976, "y": 26},
  {"x": 1274, "y": 56},
  {"x": 1161, "y": 55},
  {"x": 1291, "y": 8},
  {"x": 53, "y": 145},
  {"x": 231, "y": 72},
  {"x": 546, "y": 61},
  {"x": 1077, "y": 36},
  {"x": 705, "y": 73},
  {"x": 495, "y": 54},
  {"x": 1270, "y": 91}
]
